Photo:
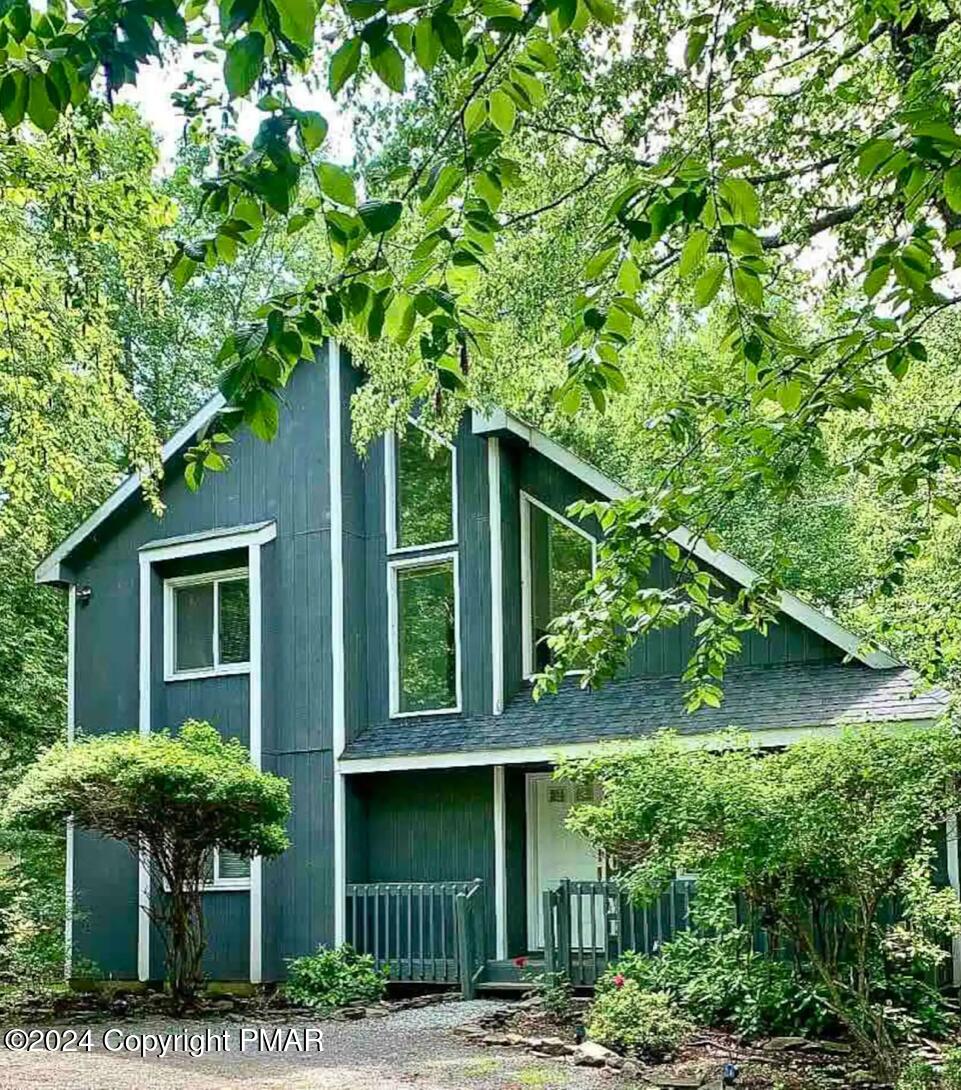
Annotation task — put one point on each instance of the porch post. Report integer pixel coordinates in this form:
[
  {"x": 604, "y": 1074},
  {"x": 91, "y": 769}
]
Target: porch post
[{"x": 500, "y": 864}]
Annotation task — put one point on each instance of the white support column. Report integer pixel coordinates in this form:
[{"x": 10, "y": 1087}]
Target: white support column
[
  {"x": 71, "y": 730},
  {"x": 255, "y": 702},
  {"x": 954, "y": 877},
  {"x": 143, "y": 869},
  {"x": 338, "y": 713},
  {"x": 500, "y": 862},
  {"x": 497, "y": 574}
]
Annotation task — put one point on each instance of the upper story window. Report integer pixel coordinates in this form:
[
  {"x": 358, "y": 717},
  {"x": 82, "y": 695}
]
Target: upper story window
[
  {"x": 424, "y": 642},
  {"x": 207, "y": 624},
  {"x": 557, "y": 559},
  {"x": 422, "y": 491}
]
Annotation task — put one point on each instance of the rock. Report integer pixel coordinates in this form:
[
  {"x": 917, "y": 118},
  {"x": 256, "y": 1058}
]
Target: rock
[
  {"x": 515, "y": 1039},
  {"x": 671, "y": 1081},
  {"x": 630, "y": 1068},
  {"x": 353, "y": 1014},
  {"x": 615, "y": 1062},
  {"x": 784, "y": 1044},
  {"x": 495, "y": 1039},
  {"x": 860, "y": 1078},
  {"x": 553, "y": 1046},
  {"x": 468, "y": 1029},
  {"x": 376, "y": 1012},
  {"x": 591, "y": 1054},
  {"x": 222, "y": 1005},
  {"x": 839, "y": 1048}
]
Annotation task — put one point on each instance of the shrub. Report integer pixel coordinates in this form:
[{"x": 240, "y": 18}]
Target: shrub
[
  {"x": 332, "y": 978},
  {"x": 719, "y": 980},
  {"x": 553, "y": 990},
  {"x": 177, "y": 797},
  {"x": 628, "y": 1018}
]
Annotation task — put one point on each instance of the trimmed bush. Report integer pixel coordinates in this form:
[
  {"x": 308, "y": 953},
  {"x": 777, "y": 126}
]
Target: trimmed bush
[
  {"x": 334, "y": 977},
  {"x": 629, "y": 1019}
]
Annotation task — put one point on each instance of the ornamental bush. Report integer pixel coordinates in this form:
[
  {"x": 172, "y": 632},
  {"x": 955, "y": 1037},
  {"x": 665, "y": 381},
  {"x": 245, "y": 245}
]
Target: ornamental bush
[
  {"x": 628, "y": 1018},
  {"x": 819, "y": 839},
  {"x": 334, "y": 977},
  {"x": 177, "y": 796}
]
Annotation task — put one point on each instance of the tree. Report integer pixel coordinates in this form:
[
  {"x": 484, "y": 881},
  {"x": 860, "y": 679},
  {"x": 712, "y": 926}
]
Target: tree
[
  {"x": 819, "y": 839},
  {"x": 176, "y": 797}
]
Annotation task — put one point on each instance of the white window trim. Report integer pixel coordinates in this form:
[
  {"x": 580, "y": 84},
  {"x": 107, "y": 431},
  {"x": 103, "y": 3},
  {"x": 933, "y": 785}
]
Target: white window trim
[
  {"x": 171, "y": 586},
  {"x": 221, "y": 884},
  {"x": 527, "y": 618},
  {"x": 390, "y": 485},
  {"x": 393, "y": 630}
]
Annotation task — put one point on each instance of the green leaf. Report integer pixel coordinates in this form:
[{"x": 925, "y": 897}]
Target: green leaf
[
  {"x": 244, "y": 63},
  {"x": 708, "y": 284},
  {"x": 628, "y": 277},
  {"x": 39, "y": 107},
  {"x": 380, "y": 216},
  {"x": 313, "y": 129},
  {"x": 448, "y": 178},
  {"x": 696, "y": 41},
  {"x": 337, "y": 184},
  {"x": 400, "y": 318},
  {"x": 503, "y": 112},
  {"x": 388, "y": 62},
  {"x": 873, "y": 154},
  {"x": 789, "y": 394},
  {"x": 603, "y": 11},
  {"x": 487, "y": 186},
  {"x": 343, "y": 64},
  {"x": 748, "y": 287},
  {"x": 693, "y": 253},
  {"x": 598, "y": 262},
  {"x": 741, "y": 198},
  {"x": 952, "y": 188},
  {"x": 297, "y": 19},
  {"x": 427, "y": 44},
  {"x": 261, "y": 414},
  {"x": 450, "y": 34},
  {"x": 13, "y": 98},
  {"x": 475, "y": 115},
  {"x": 543, "y": 52}
]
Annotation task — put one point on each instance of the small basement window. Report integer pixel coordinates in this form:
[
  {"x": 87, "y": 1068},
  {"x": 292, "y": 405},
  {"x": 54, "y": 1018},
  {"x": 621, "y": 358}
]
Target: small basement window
[
  {"x": 424, "y": 643},
  {"x": 557, "y": 559},
  {"x": 226, "y": 870},
  {"x": 421, "y": 478},
  {"x": 207, "y": 624}
]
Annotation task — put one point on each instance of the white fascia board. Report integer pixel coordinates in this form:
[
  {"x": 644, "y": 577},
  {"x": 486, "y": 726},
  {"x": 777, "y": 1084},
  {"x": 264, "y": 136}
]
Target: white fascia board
[
  {"x": 500, "y": 421},
  {"x": 763, "y": 739},
  {"x": 219, "y": 540},
  {"x": 49, "y": 570}
]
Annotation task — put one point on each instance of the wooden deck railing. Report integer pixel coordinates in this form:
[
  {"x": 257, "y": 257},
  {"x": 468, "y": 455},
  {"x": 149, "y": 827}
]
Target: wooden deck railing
[
  {"x": 469, "y": 916},
  {"x": 588, "y": 925},
  {"x": 413, "y": 929}
]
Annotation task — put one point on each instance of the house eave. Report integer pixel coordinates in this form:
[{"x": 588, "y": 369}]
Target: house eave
[{"x": 503, "y": 424}]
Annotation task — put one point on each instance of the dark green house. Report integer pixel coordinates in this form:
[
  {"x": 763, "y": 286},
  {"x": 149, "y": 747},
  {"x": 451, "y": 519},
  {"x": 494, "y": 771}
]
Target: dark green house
[{"x": 367, "y": 627}]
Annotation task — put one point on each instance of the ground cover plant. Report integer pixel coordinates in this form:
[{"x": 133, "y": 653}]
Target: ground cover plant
[{"x": 334, "y": 977}]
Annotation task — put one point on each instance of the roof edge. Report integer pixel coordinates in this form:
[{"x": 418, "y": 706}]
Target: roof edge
[
  {"x": 50, "y": 570},
  {"x": 501, "y": 422}
]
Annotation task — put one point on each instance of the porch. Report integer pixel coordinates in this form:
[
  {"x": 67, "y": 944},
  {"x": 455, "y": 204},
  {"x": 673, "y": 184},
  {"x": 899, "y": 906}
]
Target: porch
[{"x": 454, "y": 873}]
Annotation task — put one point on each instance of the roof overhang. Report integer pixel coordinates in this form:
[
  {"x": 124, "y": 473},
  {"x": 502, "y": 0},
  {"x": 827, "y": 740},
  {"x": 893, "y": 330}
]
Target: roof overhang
[{"x": 504, "y": 424}]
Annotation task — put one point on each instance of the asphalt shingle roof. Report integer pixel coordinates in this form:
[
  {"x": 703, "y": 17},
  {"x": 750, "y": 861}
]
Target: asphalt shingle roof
[{"x": 756, "y": 698}]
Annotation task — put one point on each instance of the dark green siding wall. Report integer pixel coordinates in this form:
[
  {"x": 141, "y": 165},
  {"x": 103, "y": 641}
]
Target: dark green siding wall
[
  {"x": 431, "y": 826},
  {"x": 286, "y": 480}
]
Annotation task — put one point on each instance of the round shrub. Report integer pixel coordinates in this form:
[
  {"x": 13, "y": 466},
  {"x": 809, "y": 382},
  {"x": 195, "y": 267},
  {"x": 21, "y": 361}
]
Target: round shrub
[
  {"x": 629, "y": 1019},
  {"x": 332, "y": 978}
]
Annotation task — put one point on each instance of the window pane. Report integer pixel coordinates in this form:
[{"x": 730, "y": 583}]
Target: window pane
[
  {"x": 195, "y": 627},
  {"x": 425, "y": 491},
  {"x": 233, "y": 865},
  {"x": 426, "y": 653},
  {"x": 561, "y": 563},
  {"x": 235, "y": 621}
]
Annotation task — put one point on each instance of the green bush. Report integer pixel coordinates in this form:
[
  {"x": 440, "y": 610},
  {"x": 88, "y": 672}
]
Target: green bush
[
  {"x": 333, "y": 978},
  {"x": 922, "y": 1076},
  {"x": 718, "y": 980},
  {"x": 628, "y": 1018}
]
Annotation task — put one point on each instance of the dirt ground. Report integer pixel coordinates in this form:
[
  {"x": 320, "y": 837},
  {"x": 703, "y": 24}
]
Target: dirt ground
[{"x": 411, "y": 1048}]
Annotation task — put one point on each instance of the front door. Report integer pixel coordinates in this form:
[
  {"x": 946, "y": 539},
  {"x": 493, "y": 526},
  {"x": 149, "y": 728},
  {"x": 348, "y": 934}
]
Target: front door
[{"x": 554, "y": 852}]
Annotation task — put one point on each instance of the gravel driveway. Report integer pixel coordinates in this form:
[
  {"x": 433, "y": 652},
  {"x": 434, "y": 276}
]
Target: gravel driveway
[{"x": 412, "y": 1048}]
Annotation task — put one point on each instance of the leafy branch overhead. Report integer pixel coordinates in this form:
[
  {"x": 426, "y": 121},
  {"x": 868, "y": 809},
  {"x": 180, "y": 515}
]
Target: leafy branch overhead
[{"x": 791, "y": 173}]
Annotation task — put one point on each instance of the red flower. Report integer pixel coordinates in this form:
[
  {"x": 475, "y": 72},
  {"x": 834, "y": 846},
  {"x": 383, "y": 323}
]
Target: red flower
[
  {"x": 618, "y": 981},
  {"x": 520, "y": 962}
]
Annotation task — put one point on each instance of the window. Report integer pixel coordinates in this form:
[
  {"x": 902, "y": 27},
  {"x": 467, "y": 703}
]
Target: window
[
  {"x": 421, "y": 482},
  {"x": 557, "y": 560},
  {"x": 226, "y": 870},
  {"x": 423, "y": 636},
  {"x": 207, "y": 624}
]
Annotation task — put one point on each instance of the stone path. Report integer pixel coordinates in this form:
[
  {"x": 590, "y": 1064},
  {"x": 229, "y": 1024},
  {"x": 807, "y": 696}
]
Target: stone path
[{"x": 411, "y": 1048}]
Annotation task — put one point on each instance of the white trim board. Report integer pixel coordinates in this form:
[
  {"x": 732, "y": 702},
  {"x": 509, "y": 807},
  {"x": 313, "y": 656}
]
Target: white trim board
[
  {"x": 49, "y": 571},
  {"x": 255, "y": 732},
  {"x": 337, "y": 649},
  {"x": 496, "y": 574},
  {"x": 763, "y": 739},
  {"x": 407, "y": 563},
  {"x": 500, "y": 421},
  {"x": 68, "y": 883},
  {"x": 500, "y": 861}
]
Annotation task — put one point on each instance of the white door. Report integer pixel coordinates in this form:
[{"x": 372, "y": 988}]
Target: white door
[{"x": 554, "y": 852}]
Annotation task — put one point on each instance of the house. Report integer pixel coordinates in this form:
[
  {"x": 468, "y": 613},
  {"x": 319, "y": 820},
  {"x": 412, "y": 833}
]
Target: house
[{"x": 367, "y": 628}]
